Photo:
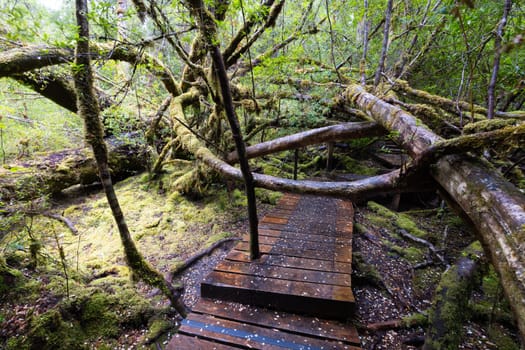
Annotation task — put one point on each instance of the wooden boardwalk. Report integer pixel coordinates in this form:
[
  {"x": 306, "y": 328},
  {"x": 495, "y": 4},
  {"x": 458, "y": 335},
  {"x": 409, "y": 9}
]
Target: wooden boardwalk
[{"x": 304, "y": 272}]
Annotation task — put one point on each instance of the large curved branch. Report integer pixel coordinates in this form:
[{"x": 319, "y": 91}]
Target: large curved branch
[
  {"x": 23, "y": 59},
  {"x": 51, "y": 86},
  {"x": 355, "y": 190},
  {"x": 20, "y": 60},
  {"x": 332, "y": 133}
]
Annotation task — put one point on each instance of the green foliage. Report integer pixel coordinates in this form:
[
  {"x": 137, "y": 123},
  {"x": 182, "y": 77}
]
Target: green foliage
[{"x": 34, "y": 124}]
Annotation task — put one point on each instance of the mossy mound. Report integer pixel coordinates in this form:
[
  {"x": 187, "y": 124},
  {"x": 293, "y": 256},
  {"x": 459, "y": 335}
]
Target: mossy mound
[
  {"x": 400, "y": 220},
  {"x": 93, "y": 299},
  {"x": 92, "y": 316}
]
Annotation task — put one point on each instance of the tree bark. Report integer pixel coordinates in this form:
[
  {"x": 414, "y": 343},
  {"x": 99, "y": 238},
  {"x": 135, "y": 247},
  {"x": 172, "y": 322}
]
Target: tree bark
[
  {"x": 208, "y": 28},
  {"x": 54, "y": 172},
  {"x": 491, "y": 105},
  {"x": 332, "y": 133},
  {"x": 495, "y": 206}
]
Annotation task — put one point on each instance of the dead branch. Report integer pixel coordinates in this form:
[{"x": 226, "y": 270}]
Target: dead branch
[
  {"x": 180, "y": 268},
  {"x": 329, "y": 133},
  {"x": 424, "y": 242}
]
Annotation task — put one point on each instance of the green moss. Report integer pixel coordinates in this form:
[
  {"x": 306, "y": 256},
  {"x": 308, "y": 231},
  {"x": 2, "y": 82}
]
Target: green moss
[
  {"x": 401, "y": 220},
  {"x": 502, "y": 340},
  {"x": 157, "y": 328},
  {"x": 355, "y": 167},
  {"x": 487, "y": 125},
  {"x": 379, "y": 221},
  {"x": 267, "y": 196},
  {"x": 417, "y": 319},
  {"x": 411, "y": 254},
  {"x": 359, "y": 228},
  {"x": 9, "y": 278},
  {"x": 217, "y": 237}
]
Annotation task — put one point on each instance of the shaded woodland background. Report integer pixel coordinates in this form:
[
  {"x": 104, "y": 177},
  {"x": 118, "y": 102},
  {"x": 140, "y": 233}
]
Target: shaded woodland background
[{"x": 387, "y": 98}]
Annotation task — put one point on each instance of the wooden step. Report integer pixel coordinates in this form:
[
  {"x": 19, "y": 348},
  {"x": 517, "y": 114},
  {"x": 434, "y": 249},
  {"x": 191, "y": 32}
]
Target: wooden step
[{"x": 222, "y": 325}]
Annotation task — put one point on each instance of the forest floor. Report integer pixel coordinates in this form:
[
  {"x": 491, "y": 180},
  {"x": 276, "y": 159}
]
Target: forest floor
[{"x": 394, "y": 278}]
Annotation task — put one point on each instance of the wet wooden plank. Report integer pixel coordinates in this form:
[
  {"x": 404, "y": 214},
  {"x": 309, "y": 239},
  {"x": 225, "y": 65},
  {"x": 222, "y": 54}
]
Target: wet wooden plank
[
  {"x": 328, "y": 245},
  {"x": 274, "y": 220},
  {"x": 255, "y": 337},
  {"x": 292, "y": 296},
  {"x": 297, "y": 262},
  {"x": 302, "y": 325},
  {"x": 285, "y": 273},
  {"x": 343, "y": 255},
  {"x": 306, "y": 236}
]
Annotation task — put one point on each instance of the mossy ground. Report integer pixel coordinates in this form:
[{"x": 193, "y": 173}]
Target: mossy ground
[{"x": 98, "y": 305}]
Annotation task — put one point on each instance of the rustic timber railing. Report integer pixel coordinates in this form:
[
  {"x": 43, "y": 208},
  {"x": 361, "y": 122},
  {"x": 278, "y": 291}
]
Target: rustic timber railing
[{"x": 304, "y": 272}]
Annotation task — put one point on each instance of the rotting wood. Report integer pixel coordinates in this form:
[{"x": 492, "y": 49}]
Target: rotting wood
[
  {"x": 447, "y": 314},
  {"x": 54, "y": 172},
  {"x": 495, "y": 206}
]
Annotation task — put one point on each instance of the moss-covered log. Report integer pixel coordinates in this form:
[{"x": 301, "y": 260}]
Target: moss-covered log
[
  {"x": 332, "y": 133},
  {"x": 53, "y": 172},
  {"x": 447, "y": 315},
  {"x": 19, "y": 60},
  {"x": 495, "y": 206}
]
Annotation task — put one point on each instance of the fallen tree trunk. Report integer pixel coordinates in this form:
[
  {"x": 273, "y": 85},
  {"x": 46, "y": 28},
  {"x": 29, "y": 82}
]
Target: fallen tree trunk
[
  {"x": 332, "y": 133},
  {"x": 355, "y": 190},
  {"x": 495, "y": 206},
  {"x": 54, "y": 172}
]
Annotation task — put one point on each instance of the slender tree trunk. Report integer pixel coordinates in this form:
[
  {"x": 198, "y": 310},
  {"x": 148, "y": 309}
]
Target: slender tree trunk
[
  {"x": 89, "y": 111},
  {"x": 491, "y": 105},
  {"x": 384, "y": 48},
  {"x": 208, "y": 28},
  {"x": 366, "y": 25}
]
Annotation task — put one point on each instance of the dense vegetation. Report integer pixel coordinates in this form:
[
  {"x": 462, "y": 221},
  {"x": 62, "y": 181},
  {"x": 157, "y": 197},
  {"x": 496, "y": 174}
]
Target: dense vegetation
[{"x": 455, "y": 65}]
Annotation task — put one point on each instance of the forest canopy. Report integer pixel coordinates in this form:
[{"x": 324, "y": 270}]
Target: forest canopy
[{"x": 214, "y": 83}]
